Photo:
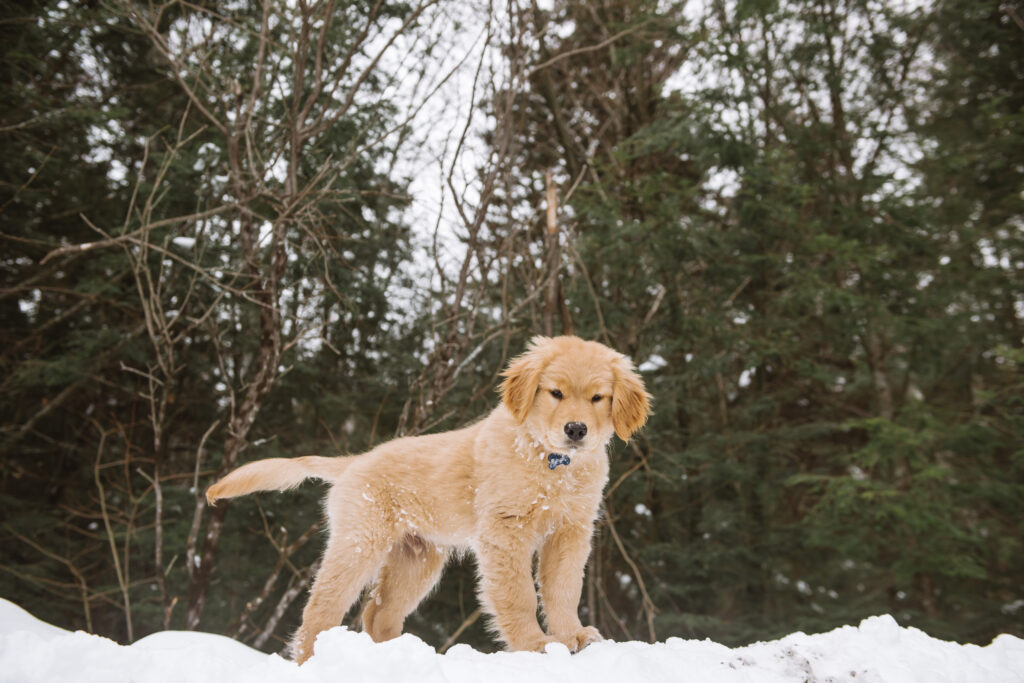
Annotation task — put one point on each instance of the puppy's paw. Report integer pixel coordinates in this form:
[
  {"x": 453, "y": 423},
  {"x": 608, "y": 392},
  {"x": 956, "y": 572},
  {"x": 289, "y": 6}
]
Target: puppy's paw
[
  {"x": 580, "y": 638},
  {"x": 534, "y": 643}
]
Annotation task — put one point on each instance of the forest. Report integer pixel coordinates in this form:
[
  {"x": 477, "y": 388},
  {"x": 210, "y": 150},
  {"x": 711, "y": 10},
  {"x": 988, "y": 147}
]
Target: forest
[{"x": 247, "y": 229}]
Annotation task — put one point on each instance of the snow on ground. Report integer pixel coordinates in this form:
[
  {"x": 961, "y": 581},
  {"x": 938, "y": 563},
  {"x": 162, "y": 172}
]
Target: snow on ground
[{"x": 878, "y": 650}]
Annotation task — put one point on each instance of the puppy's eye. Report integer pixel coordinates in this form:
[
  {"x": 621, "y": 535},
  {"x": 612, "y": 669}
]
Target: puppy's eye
[
  {"x": 596, "y": 398},
  {"x": 557, "y": 394}
]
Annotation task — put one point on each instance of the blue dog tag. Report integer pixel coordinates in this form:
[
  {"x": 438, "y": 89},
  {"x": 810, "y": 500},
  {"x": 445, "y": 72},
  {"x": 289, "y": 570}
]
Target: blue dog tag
[{"x": 556, "y": 459}]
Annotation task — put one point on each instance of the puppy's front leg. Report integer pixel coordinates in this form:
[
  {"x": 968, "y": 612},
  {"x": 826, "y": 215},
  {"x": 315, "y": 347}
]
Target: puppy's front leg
[
  {"x": 562, "y": 560},
  {"x": 507, "y": 590}
]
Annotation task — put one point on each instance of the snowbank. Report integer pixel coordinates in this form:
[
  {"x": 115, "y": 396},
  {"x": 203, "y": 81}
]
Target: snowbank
[{"x": 877, "y": 650}]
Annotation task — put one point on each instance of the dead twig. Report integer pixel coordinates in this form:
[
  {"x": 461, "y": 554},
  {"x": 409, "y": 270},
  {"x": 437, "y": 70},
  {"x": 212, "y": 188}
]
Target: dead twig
[
  {"x": 647, "y": 604},
  {"x": 466, "y": 623}
]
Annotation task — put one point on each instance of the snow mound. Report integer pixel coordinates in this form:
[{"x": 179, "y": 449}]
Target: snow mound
[{"x": 878, "y": 650}]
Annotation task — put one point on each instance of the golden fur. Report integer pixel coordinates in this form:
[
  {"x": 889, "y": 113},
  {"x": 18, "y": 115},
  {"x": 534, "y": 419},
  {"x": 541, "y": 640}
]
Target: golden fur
[{"x": 397, "y": 513}]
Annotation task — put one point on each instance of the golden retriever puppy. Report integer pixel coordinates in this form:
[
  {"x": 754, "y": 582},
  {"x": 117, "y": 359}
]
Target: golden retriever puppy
[{"x": 525, "y": 479}]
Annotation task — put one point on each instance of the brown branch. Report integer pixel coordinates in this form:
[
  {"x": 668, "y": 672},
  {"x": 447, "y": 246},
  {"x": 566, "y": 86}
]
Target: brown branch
[
  {"x": 83, "y": 585},
  {"x": 647, "y": 604},
  {"x": 589, "y": 48},
  {"x": 1012, "y": 13},
  {"x": 466, "y": 623},
  {"x": 120, "y": 572},
  {"x": 158, "y": 542},
  {"x": 286, "y": 600},
  {"x": 284, "y": 554}
]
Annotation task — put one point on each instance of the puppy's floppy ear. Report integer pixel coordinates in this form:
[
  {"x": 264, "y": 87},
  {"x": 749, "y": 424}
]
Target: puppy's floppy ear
[
  {"x": 631, "y": 404},
  {"x": 522, "y": 377}
]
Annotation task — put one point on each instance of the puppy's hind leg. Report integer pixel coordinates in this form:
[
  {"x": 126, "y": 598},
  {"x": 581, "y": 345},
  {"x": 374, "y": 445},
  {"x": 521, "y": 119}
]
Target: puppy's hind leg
[
  {"x": 413, "y": 567},
  {"x": 348, "y": 565}
]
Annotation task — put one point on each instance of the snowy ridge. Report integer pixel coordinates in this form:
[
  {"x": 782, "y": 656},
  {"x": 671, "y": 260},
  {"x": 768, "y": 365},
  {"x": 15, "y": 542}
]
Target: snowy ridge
[{"x": 878, "y": 650}]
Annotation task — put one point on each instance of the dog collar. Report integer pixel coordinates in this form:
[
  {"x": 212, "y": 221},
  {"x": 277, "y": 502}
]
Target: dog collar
[{"x": 556, "y": 459}]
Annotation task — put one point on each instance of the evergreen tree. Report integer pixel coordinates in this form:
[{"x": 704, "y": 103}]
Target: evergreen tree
[
  {"x": 767, "y": 243},
  {"x": 801, "y": 218},
  {"x": 201, "y": 230}
]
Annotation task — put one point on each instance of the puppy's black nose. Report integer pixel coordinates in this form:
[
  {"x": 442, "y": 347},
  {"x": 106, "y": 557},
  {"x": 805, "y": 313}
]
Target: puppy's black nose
[{"x": 575, "y": 430}]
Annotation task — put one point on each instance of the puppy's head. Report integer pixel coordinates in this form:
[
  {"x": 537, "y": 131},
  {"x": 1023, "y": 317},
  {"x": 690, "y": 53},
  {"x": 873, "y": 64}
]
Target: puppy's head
[{"x": 573, "y": 394}]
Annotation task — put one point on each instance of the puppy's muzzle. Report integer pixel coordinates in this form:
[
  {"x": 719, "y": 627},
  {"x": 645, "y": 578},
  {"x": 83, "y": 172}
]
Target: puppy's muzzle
[{"x": 575, "y": 430}]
